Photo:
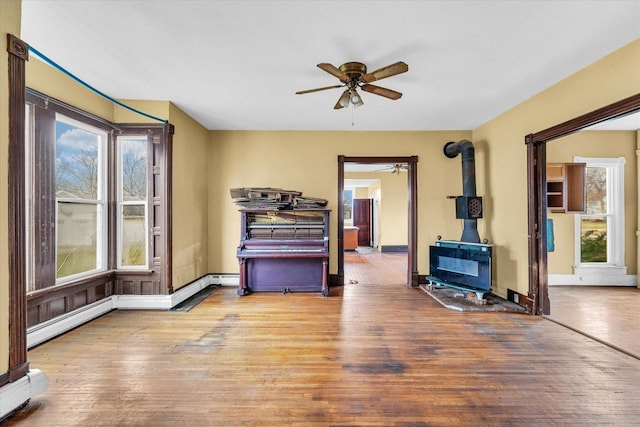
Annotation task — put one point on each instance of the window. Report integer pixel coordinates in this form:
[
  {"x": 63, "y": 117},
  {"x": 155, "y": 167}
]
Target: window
[
  {"x": 132, "y": 202},
  {"x": 600, "y": 231},
  {"x": 91, "y": 209},
  {"x": 348, "y": 204},
  {"x": 80, "y": 193}
]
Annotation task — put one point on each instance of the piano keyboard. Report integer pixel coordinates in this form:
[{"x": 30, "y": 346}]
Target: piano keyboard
[{"x": 285, "y": 250}]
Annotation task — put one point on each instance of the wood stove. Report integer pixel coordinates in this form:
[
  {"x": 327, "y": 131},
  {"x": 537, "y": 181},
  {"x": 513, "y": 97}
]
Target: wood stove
[{"x": 462, "y": 265}]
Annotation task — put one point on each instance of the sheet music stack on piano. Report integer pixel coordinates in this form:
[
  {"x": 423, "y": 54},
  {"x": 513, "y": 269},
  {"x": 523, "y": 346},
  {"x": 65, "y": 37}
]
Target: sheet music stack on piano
[{"x": 284, "y": 241}]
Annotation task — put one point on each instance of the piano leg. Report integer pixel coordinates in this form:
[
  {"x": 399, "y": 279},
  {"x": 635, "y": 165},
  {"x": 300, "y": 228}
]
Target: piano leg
[
  {"x": 242, "y": 286},
  {"x": 325, "y": 288}
]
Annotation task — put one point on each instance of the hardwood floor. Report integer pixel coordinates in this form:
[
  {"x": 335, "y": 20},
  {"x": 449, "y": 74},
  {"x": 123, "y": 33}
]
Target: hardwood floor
[
  {"x": 368, "y": 266},
  {"x": 609, "y": 314},
  {"x": 377, "y": 354}
]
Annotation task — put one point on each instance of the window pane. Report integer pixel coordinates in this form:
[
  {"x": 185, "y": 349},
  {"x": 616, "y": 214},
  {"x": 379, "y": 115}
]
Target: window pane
[
  {"x": 134, "y": 241},
  {"x": 348, "y": 204},
  {"x": 77, "y": 152},
  {"x": 134, "y": 169},
  {"x": 132, "y": 199},
  {"x": 77, "y": 242},
  {"x": 593, "y": 239},
  {"x": 596, "y": 190}
]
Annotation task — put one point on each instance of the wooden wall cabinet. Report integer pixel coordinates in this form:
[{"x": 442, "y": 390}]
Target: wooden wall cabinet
[
  {"x": 350, "y": 238},
  {"x": 566, "y": 187}
]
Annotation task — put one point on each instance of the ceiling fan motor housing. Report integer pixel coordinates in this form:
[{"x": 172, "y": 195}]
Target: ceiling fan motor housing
[{"x": 354, "y": 70}]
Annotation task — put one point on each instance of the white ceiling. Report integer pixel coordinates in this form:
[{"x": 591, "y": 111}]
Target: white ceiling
[{"x": 235, "y": 65}]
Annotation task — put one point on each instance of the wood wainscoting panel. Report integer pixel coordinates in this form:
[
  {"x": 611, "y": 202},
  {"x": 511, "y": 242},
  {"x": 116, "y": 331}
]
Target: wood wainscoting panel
[{"x": 47, "y": 304}]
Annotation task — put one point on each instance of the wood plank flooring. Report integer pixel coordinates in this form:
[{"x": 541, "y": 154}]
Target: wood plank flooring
[
  {"x": 368, "y": 266},
  {"x": 607, "y": 313},
  {"x": 371, "y": 354}
]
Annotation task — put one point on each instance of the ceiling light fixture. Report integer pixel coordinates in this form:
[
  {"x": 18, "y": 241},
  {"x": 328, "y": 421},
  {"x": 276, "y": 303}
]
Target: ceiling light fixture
[
  {"x": 345, "y": 99},
  {"x": 356, "y": 100}
]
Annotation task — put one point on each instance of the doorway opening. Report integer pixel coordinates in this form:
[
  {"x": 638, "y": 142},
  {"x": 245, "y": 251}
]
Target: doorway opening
[
  {"x": 538, "y": 297},
  {"x": 359, "y": 225}
]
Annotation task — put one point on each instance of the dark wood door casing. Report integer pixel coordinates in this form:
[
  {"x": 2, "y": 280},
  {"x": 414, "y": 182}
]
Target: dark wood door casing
[{"x": 412, "y": 190}]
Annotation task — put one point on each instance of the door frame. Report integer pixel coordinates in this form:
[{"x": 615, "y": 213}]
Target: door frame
[
  {"x": 538, "y": 297},
  {"x": 412, "y": 211}
]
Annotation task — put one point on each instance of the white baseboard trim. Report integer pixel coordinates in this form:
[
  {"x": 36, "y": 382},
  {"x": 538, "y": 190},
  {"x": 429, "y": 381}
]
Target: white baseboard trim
[
  {"x": 42, "y": 332},
  {"x": 166, "y": 302},
  {"x": 592, "y": 280},
  {"x": 52, "y": 328},
  {"x": 15, "y": 394}
]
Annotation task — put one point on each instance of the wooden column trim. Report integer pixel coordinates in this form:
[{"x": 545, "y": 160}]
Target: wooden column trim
[
  {"x": 18, "y": 364},
  {"x": 538, "y": 297},
  {"x": 340, "y": 278},
  {"x": 169, "y": 130},
  {"x": 412, "y": 191}
]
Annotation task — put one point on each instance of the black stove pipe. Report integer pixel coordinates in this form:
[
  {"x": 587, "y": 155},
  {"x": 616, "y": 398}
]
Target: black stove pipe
[{"x": 451, "y": 150}]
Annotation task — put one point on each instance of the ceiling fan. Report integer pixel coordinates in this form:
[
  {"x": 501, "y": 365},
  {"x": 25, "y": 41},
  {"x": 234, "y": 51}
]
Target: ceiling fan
[
  {"x": 395, "y": 168},
  {"x": 353, "y": 75}
]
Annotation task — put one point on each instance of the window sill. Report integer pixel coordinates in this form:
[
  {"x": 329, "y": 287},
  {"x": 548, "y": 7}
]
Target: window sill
[
  {"x": 103, "y": 275},
  {"x": 106, "y": 275},
  {"x": 131, "y": 272},
  {"x": 591, "y": 270}
]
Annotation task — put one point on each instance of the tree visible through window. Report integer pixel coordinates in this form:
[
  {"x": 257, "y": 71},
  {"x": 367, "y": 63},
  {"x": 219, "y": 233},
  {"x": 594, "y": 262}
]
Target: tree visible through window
[
  {"x": 79, "y": 191},
  {"x": 132, "y": 200},
  {"x": 593, "y": 226}
]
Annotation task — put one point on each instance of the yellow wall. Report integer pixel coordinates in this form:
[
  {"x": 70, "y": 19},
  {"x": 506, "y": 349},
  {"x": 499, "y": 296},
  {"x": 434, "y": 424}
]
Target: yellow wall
[
  {"x": 190, "y": 199},
  {"x": 9, "y": 24},
  {"x": 53, "y": 83},
  {"x": 595, "y": 144},
  {"x": 612, "y": 78},
  {"x": 393, "y": 205},
  {"x": 360, "y": 192},
  {"x": 159, "y": 109},
  {"x": 308, "y": 162}
]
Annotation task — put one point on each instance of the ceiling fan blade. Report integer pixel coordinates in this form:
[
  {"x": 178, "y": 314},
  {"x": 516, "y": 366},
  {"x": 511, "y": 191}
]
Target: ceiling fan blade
[
  {"x": 341, "y": 101},
  {"x": 384, "y": 72},
  {"x": 382, "y": 91},
  {"x": 333, "y": 71},
  {"x": 302, "y": 92}
]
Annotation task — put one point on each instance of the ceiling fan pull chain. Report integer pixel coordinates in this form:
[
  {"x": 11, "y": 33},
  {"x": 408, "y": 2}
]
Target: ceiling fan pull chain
[{"x": 353, "y": 113}]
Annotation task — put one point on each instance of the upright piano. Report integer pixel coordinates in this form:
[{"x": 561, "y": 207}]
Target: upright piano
[{"x": 284, "y": 251}]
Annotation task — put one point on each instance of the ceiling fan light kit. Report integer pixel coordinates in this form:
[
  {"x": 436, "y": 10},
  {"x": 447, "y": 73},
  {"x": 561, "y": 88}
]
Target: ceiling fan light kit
[{"x": 354, "y": 76}]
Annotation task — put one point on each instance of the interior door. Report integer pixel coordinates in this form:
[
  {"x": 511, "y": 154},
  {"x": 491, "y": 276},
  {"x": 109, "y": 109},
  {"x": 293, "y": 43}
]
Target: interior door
[{"x": 362, "y": 220}]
